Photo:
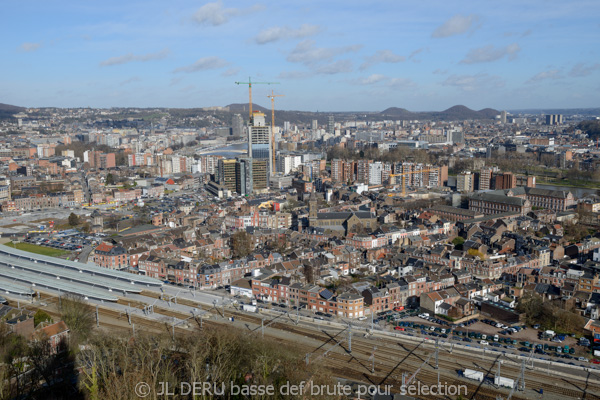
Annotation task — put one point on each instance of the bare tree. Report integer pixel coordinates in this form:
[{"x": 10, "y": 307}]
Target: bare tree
[{"x": 78, "y": 316}]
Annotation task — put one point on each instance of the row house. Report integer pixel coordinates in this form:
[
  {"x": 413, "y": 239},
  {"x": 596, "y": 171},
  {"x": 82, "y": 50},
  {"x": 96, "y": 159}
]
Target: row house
[
  {"x": 275, "y": 220},
  {"x": 552, "y": 276},
  {"x": 439, "y": 302},
  {"x": 393, "y": 296},
  {"x": 151, "y": 265},
  {"x": 378, "y": 300},
  {"x": 40, "y": 201},
  {"x": 304, "y": 296},
  {"x": 483, "y": 268},
  {"x": 211, "y": 276},
  {"x": 365, "y": 242},
  {"x": 270, "y": 290},
  {"x": 241, "y": 221},
  {"x": 180, "y": 272},
  {"x": 418, "y": 285},
  {"x": 348, "y": 305},
  {"x": 135, "y": 254},
  {"x": 127, "y": 196},
  {"x": 154, "y": 191}
]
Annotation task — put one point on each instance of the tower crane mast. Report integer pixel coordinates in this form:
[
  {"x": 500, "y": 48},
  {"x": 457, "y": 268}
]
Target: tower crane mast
[
  {"x": 272, "y": 97},
  {"x": 249, "y": 83}
]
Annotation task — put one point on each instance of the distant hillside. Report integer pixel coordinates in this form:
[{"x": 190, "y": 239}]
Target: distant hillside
[
  {"x": 7, "y": 110},
  {"x": 243, "y": 107},
  {"x": 564, "y": 111},
  {"x": 400, "y": 113},
  {"x": 592, "y": 128},
  {"x": 452, "y": 114},
  {"x": 490, "y": 113}
]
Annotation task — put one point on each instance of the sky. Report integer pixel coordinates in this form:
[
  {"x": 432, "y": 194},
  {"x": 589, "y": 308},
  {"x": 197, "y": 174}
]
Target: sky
[{"x": 330, "y": 55}]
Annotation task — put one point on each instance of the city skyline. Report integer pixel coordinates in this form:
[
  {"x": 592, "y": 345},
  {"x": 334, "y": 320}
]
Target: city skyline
[{"x": 335, "y": 56}]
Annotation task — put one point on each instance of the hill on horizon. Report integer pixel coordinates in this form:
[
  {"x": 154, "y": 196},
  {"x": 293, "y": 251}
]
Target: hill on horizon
[
  {"x": 7, "y": 110},
  {"x": 243, "y": 107},
  {"x": 458, "y": 112}
]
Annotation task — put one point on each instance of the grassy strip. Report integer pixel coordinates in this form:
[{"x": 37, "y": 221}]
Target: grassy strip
[
  {"x": 32, "y": 248},
  {"x": 584, "y": 184}
]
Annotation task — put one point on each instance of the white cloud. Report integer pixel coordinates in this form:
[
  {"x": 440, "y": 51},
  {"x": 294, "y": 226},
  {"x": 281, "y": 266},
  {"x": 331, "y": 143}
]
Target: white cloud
[
  {"x": 544, "y": 75},
  {"x": 381, "y": 56},
  {"x": 203, "y": 64},
  {"x": 294, "y": 75},
  {"x": 231, "y": 72},
  {"x": 28, "y": 47},
  {"x": 336, "y": 67},
  {"x": 130, "y": 57},
  {"x": 401, "y": 83},
  {"x": 393, "y": 83},
  {"x": 371, "y": 79},
  {"x": 520, "y": 34},
  {"x": 130, "y": 80},
  {"x": 306, "y": 53},
  {"x": 284, "y": 32},
  {"x": 491, "y": 53},
  {"x": 580, "y": 70},
  {"x": 175, "y": 80},
  {"x": 476, "y": 82},
  {"x": 455, "y": 26},
  {"x": 414, "y": 53},
  {"x": 215, "y": 14}
]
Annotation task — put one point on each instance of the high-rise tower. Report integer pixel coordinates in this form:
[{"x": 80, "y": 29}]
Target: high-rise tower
[
  {"x": 237, "y": 125},
  {"x": 259, "y": 140},
  {"x": 330, "y": 125}
]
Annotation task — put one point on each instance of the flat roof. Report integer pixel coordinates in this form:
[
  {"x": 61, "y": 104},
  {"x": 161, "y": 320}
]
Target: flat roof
[{"x": 91, "y": 269}]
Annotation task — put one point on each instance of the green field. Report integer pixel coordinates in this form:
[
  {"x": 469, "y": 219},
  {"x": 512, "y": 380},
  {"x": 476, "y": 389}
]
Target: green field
[{"x": 33, "y": 248}]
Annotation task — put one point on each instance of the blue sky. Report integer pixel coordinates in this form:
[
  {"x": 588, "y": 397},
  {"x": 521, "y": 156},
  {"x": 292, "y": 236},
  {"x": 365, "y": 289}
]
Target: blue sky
[{"x": 326, "y": 55}]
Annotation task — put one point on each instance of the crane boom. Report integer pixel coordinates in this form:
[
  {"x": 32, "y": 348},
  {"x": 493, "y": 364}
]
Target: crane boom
[
  {"x": 272, "y": 97},
  {"x": 405, "y": 174},
  {"x": 249, "y": 83}
]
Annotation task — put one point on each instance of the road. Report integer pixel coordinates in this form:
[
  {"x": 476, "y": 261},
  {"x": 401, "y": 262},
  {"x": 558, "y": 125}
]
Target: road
[{"x": 84, "y": 254}]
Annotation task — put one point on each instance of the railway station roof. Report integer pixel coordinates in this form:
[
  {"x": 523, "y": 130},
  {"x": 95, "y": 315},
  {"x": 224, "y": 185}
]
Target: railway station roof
[
  {"x": 91, "y": 269},
  {"x": 8, "y": 286},
  {"x": 33, "y": 279},
  {"x": 82, "y": 277}
]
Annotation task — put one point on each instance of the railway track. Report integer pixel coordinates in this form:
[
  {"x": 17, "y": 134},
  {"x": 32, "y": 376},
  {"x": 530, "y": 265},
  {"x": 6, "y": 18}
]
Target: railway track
[
  {"x": 393, "y": 358},
  {"x": 363, "y": 349}
]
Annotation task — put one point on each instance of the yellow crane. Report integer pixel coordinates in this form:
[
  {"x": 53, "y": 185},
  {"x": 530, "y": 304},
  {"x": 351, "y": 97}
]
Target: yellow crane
[
  {"x": 272, "y": 97},
  {"x": 249, "y": 83},
  {"x": 405, "y": 174}
]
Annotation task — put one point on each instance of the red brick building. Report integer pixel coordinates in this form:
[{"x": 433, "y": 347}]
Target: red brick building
[{"x": 109, "y": 256}]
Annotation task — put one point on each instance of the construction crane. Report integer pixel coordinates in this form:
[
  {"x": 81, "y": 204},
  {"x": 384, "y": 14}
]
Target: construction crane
[
  {"x": 272, "y": 97},
  {"x": 249, "y": 83},
  {"x": 405, "y": 174}
]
